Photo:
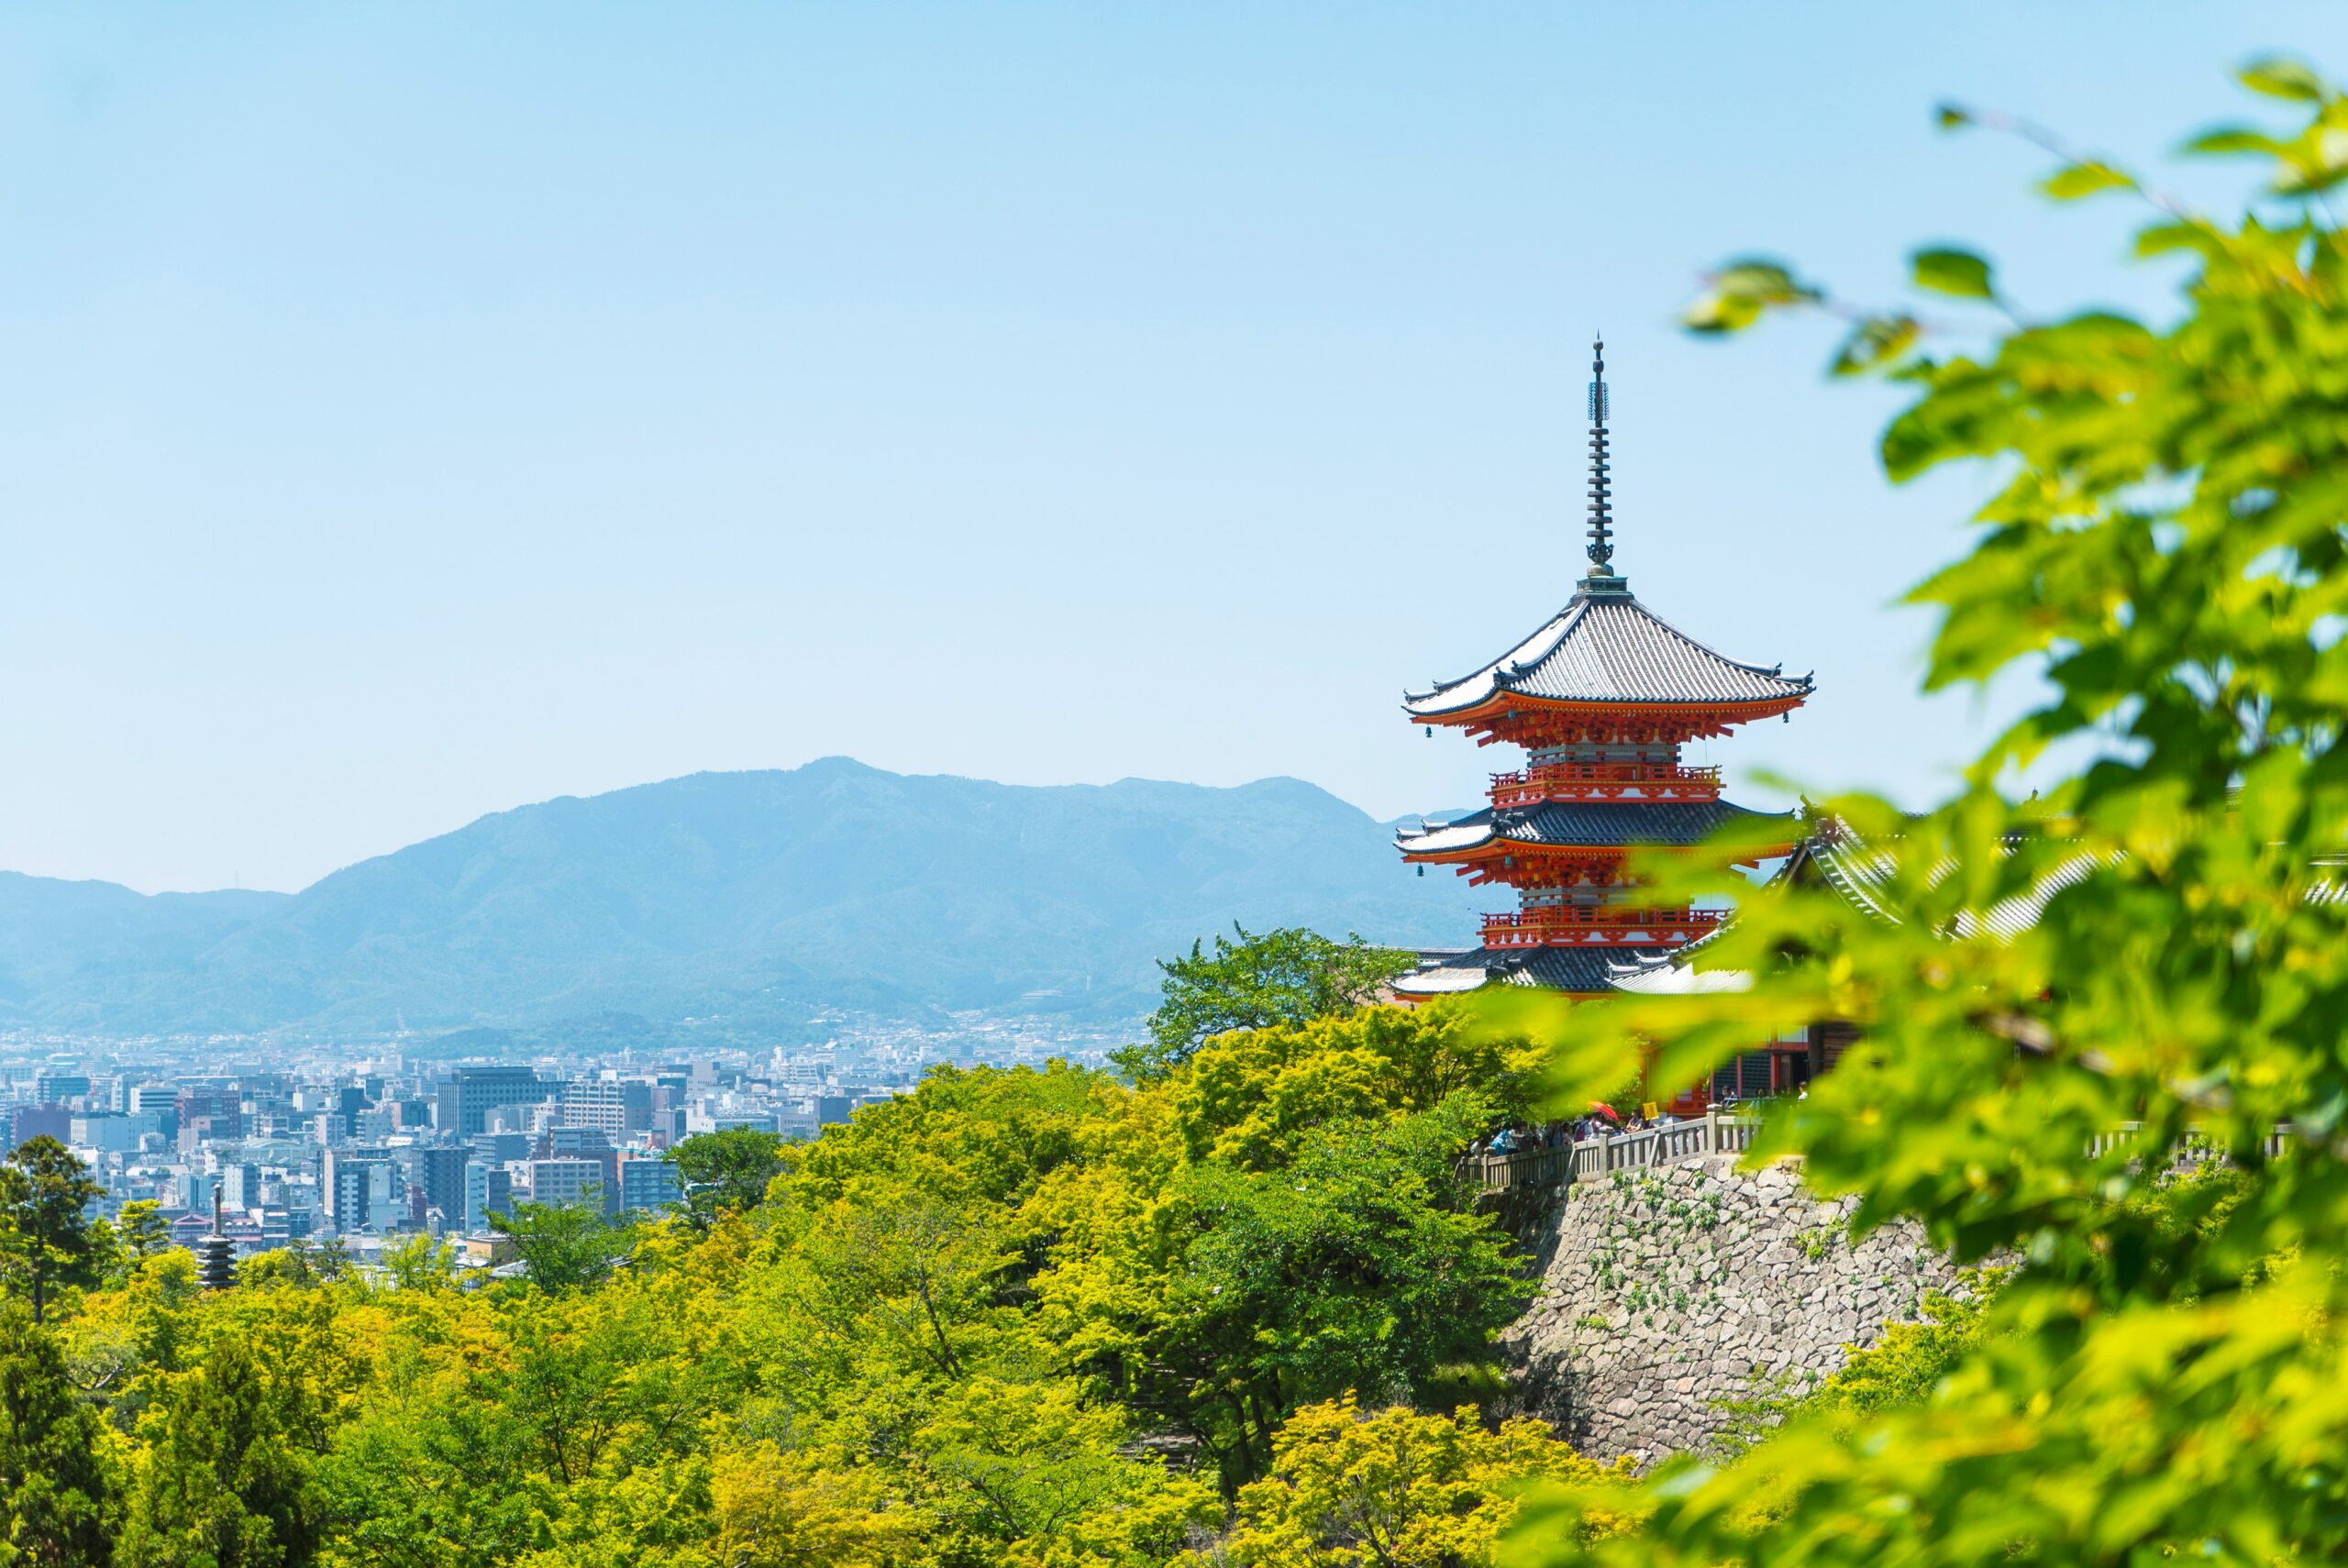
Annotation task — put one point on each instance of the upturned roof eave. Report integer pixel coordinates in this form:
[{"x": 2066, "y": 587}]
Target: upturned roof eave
[
  {"x": 1482, "y": 967},
  {"x": 1497, "y": 839},
  {"x": 1504, "y": 698},
  {"x": 1502, "y": 675}
]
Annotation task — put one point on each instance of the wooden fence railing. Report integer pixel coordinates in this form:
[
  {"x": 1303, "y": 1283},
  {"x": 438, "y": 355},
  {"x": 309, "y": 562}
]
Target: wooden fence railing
[
  {"x": 2195, "y": 1149},
  {"x": 1715, "y": 1133},
  {"x": 1692, "y": 1140}
]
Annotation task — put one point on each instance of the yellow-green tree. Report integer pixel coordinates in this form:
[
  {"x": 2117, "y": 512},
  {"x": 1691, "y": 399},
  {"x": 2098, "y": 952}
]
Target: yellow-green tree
[
  {"x": 1037, "y": 1471},
  {"x": 1224, "y": 1296},
  {"x": 226, "y": 1475},
  {"x": 777, "y": 1510},
  {"x": 2165, "y": 540},
  {"x": 1394, "y": 1489},
  {"x": 1250, "y": 1097}
]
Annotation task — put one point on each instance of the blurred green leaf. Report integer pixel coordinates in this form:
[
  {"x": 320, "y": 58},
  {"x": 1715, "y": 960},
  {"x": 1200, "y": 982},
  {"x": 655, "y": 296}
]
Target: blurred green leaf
[
  {"x": 2160, "y": 239},
  {"x": 1719, "y": 313},
  {"x": 1739, "y": 293},
  {"x": 2232, "y": 140},
  {"x": 1768, "y": 281},
  {"x": 2279, "y": 76},
  {"x": 2085, "y": 180},
  {"x": 1949, "y": 272},
  {"x": 1875, "y": 342}
]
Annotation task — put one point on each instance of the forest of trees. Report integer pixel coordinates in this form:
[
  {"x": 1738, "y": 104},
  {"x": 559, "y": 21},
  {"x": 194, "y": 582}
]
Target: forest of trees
[
  {"x": 1233, "y": 1308},
  {"x": 940, "y": 1334}
]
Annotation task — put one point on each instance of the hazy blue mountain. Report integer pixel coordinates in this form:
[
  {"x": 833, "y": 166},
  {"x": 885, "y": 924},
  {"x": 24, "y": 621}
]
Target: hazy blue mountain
[
  {"x": 64, "y": 939},
  {"x": 765, "y": 896}
]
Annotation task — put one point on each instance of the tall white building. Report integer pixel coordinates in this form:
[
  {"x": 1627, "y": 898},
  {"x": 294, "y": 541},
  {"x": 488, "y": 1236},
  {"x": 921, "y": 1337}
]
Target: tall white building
[
  {"x": 562, "y": 1181},
  {"x": 240, "y": 1188},
  {"x": 596, "y": 1103},
  {"x": 357, "y": 1186},
  {"x": 488, "y": 1189},
  {"x": 611, "y": 1106},
  {"x": 195, "y": 1191}
]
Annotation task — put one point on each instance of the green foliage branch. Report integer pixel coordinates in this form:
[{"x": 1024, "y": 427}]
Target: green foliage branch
[{"x": 2165, "y": 547}]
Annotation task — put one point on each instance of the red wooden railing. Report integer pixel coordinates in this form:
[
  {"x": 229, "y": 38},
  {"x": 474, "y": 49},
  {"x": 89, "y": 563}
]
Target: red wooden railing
[
  {"x": 1597, "y": 925},
  {"x": 1605, "y": 781}
]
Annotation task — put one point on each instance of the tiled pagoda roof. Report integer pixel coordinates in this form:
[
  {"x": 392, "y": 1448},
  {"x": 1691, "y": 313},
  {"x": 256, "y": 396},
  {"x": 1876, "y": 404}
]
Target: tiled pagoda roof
[
  {"x": 1602, "y": 825},
  {"x": 1582, "y": 971},
  {"x": 1858, "y": 870},
  {"x": 1606, "y": 646}
]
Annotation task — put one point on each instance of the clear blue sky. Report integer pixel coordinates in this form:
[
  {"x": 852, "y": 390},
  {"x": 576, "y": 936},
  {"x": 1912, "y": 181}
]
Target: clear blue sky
[{"x": 408, "y": 411}]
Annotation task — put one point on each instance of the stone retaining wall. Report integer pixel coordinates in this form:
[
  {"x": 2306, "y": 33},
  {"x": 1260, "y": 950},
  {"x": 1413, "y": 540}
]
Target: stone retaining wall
[{"x": 1667, "y": 1289}]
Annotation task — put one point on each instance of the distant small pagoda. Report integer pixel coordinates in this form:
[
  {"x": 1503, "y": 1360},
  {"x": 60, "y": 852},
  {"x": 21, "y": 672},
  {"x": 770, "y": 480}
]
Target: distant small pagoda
[
  {"x": 1602, "y": 698},
  {"x": 216, "y": 1253}
]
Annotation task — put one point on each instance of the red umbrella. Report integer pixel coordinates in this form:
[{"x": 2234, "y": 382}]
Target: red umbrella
[{"x": 1606, "y": 1110}]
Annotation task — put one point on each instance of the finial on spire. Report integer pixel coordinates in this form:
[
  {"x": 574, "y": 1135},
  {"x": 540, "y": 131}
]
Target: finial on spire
[{"x": 1603, "y": 577}]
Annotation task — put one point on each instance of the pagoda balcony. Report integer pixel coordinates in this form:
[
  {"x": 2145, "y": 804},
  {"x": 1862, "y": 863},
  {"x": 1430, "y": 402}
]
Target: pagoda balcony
[
  {"x": 1598, "y": 925},
  {"x": 1605, "y": 781}
]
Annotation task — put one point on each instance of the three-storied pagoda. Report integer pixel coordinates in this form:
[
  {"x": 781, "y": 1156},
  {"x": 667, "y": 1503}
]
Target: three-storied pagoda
[{"x": 1602, "y": 698}]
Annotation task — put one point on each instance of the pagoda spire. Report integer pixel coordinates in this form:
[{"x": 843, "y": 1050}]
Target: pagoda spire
[
  {"x": 216, "y": 1254},
  {"x": 1602, "y": 578},
  {"x": 1603, "y": 697}
]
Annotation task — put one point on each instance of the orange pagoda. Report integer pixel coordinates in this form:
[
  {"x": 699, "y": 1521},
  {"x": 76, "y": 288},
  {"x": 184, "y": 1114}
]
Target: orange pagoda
[{"x": 1602, "y": 698}]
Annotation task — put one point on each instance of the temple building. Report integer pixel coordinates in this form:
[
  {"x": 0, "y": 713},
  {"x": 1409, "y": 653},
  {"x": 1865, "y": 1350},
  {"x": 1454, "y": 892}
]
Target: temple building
[{"x": 1602, "y": 698}]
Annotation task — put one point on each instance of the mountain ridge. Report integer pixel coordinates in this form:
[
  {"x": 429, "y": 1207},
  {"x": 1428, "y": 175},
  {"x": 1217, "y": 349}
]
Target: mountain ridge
[{"x": 764, "y": 896}]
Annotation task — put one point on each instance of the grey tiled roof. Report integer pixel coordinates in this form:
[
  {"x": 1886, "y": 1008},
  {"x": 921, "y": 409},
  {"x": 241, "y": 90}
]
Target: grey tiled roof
[
  {"x": 1606, "y": 823},
  {"x": 1858, "y": 871},
  {"x": 1609, "y": 648},
  {"x": 1582, "y": 969}
]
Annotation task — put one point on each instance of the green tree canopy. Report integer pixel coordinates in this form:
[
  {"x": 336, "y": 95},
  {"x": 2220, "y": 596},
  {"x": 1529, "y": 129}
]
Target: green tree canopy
[
  {"x": 226, "y": 1481},
  {"x": 1284, "y": 976},
  {"x": 1359, "y": 1268},
  {"x": 1248, "y": 1097},
  {"x": 565, "y": 1245},
  {"x": 725, "y": 1171},
  {"x": 1381, "y": 1488},
  {"x": 1224, "y": 1296},
  {"x": 142, "y": 1230},
  {"x": 964, "y": 1133},
  {"x": 58, "y": 1497},
  {"x": 47, "y": 1238}
]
